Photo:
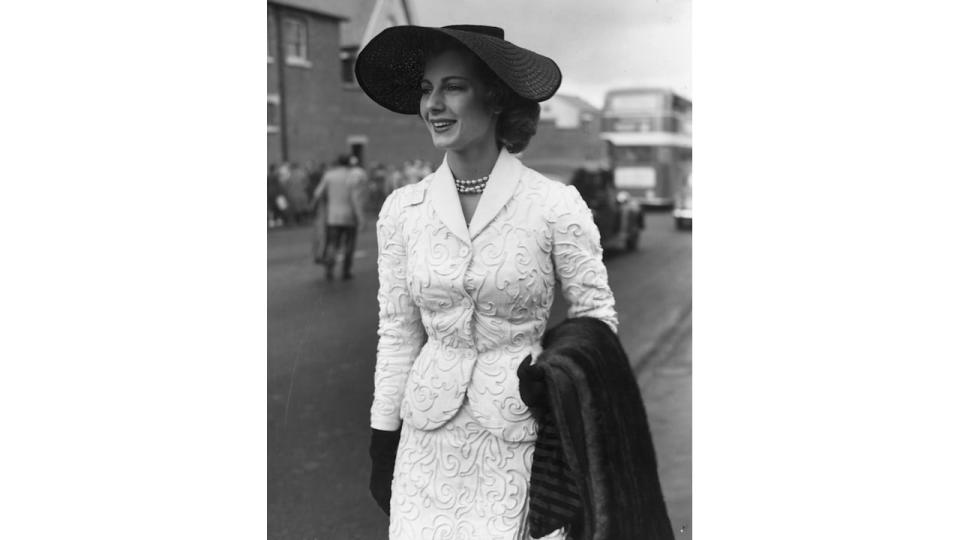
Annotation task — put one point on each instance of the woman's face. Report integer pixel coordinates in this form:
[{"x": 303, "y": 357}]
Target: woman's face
[{"x": 452, "y": 103}]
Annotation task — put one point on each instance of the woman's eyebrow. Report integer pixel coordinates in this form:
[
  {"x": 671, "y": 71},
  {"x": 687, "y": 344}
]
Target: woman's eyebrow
[{"x": 447, "y": 78}]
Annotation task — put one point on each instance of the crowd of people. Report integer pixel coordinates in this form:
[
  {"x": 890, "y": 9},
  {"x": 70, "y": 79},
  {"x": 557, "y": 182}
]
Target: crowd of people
[{"x": 292, "y": 186}]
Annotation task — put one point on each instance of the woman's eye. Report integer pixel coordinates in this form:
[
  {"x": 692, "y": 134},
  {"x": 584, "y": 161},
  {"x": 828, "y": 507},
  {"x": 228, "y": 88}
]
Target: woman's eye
[
  {"x": 454, "y": 87},
  {"x": 424, "y": 91}
]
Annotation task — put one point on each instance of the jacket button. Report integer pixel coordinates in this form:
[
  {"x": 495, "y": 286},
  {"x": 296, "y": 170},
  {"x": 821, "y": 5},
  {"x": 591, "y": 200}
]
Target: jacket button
[{"x": 463, "y": 250}]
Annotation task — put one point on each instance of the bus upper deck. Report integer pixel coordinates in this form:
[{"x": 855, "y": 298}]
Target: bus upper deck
[{"x": 648, "y": 134}]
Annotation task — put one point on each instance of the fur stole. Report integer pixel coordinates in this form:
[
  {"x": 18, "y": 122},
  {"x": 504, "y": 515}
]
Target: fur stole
[{"x": 595, "y": 407}]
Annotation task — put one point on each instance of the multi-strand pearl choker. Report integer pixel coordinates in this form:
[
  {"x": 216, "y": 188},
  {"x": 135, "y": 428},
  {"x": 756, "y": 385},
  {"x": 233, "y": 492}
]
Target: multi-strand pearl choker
[{"x": 471, "y": 186}]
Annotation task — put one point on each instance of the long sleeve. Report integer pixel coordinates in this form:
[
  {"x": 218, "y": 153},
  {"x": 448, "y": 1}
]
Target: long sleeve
[
  {"x": 321, "y": 188},
  {"x": 577, "y": 259},
  {"x": 400, "y": 330},
  {"x": 358, "y": 194}
]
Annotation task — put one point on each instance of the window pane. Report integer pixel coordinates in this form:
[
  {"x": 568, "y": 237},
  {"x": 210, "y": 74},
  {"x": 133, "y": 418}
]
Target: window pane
[
  {"x": 632, "y": 155},
  {"x": 637, "y": 102},
  {"x": 272, "y": 114},
  {"x": 303, "y": 41},
  {"x": 290, "y": 37},
  {"x": 295, "y": 37}
]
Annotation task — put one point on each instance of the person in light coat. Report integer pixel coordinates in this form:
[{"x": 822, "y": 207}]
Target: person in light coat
[
  {"x": 468, "y": 259},
  {"x": 339, "y": 215}
]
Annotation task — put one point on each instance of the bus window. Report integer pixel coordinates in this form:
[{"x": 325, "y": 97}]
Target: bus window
[
  {"x": 626, "y": 156},
  {"x": 640, "y": 102}
]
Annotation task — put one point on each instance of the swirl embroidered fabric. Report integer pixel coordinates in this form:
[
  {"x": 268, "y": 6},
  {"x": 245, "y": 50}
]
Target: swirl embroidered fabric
[{"x": 456, "y": 319}]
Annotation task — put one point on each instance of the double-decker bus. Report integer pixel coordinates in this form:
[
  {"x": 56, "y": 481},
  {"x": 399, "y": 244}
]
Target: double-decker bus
[{"x": 648, "y": 143}]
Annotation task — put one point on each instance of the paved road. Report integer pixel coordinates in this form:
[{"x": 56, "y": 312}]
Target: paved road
[{"x": 321, "y": 354}]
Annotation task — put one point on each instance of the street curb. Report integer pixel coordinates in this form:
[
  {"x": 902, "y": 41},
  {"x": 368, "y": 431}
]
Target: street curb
[{"x": 655, "y": 353}]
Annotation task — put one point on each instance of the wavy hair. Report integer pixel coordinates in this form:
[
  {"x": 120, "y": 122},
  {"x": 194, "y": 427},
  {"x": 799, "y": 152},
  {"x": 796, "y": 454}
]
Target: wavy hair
[{"x": 517, "y": 117}]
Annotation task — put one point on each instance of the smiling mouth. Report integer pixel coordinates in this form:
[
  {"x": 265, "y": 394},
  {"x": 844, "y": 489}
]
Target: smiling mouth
[{"x": 439, "y": 126}]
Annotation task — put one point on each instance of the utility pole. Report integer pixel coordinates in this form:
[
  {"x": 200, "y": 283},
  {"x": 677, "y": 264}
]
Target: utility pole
[{"x": 281, "y": 82}]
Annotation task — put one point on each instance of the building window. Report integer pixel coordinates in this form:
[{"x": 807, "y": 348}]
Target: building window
[
  {"x": 348, "y": 58},
  {"x": 295, "y": 38},
  {"x": 273, "y": 113}
]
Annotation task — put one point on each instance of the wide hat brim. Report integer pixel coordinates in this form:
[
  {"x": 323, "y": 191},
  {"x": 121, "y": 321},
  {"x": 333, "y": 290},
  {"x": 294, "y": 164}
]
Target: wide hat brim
[{"x": 390, "y": 67}]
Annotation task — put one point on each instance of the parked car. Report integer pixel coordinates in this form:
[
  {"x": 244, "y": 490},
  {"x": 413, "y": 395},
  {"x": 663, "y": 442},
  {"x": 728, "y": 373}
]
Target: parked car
[
  {"x": 618, "y": 216},
  {"x": 683, "y": 208}
]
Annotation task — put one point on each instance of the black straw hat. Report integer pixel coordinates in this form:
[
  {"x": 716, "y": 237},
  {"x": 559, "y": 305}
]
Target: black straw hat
[{"x": 390, "y": 67}]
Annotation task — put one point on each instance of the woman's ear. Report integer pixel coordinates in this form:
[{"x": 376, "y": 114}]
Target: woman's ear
[{"x": 494, "y": 99}]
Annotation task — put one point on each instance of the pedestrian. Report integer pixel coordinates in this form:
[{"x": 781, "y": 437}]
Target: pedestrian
[
  {"x": 340, "y": 195},
  {"x": 297, "y": 194},
  {"x": 362, "y": 178},
  {"x": 284, "y": 173},
  {"x": 318, "y": 206},
  {"x": 314, "y": 175},
  {"x": 377, "y": 186},
  {"x": 274, "y": 212},
  {"x": 410, "y": 173},
  {"x": 423, "y": 169},
  {"x": 394, "y": 180},
  {"x": 468, "y": 258}
]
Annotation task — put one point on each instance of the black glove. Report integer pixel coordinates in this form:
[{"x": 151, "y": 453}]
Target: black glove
[
  {"x": 383, "y": 456},
  {"x": 533, "y": 389}
]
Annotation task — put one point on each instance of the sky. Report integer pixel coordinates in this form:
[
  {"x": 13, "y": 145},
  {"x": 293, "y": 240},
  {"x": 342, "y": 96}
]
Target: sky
[{"x": 598, "y": 44}]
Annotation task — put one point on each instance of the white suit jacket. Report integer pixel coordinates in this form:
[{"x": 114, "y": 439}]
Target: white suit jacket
[{"x": 460, "y": 307}]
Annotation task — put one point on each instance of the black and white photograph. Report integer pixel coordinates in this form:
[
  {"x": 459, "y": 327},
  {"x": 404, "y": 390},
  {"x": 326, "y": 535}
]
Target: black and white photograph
[
  {"x": 476, "y": 316},
  {"x": 479, "y": 269}
]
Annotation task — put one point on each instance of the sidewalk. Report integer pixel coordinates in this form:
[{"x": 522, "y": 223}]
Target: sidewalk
[{"x": 666, "y": 386}]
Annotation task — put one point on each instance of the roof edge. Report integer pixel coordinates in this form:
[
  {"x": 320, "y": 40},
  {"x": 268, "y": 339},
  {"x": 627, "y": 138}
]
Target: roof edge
[
  {"x": 652, "y": 88},
  {"x": 301, "y": 7}
]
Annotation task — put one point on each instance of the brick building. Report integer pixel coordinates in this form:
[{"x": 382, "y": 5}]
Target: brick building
[{"x": 315, "y": 110}]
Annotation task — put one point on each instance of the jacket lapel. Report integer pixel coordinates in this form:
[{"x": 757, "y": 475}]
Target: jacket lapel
[
  {"x": 443, "y": 196},
  {"x": 503, "y": 182}
]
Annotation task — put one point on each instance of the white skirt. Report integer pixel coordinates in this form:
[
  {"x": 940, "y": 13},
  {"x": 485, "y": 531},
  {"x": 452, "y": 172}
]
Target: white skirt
[{"x": 460, "y": 482}]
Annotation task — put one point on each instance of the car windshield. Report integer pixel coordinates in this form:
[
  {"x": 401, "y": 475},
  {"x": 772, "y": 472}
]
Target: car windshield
[{"x": 585, "y": 182}]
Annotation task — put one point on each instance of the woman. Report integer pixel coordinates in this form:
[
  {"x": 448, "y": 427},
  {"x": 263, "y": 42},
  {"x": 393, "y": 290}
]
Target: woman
[{"x": 468, "y": 259}]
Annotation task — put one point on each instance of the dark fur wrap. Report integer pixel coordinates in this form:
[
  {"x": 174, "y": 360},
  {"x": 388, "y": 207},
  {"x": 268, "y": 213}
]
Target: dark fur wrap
[{"x": 594, "y": 399}]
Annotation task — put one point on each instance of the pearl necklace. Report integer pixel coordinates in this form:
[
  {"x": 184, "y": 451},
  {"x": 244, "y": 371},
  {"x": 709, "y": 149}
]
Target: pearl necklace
[{"x": 471, "y": 186}]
